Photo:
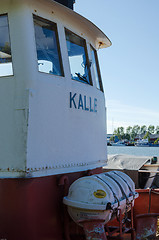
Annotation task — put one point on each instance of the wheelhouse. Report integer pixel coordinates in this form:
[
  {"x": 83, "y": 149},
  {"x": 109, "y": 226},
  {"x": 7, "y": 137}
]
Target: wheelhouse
[{"x": 53, "y": 113}]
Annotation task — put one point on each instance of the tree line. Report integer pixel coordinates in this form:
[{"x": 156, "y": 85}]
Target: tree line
[{"x": 131, "y": 132}]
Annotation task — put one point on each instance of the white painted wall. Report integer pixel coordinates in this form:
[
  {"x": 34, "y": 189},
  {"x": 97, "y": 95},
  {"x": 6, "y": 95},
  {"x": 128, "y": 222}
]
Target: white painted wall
[{"x": 40, "y": 134}]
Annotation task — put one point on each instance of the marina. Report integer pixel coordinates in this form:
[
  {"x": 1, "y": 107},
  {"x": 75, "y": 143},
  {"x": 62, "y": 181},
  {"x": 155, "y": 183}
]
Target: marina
[
  {"x": 132, "y": 150},
  {"x": 57, "y": 179}
]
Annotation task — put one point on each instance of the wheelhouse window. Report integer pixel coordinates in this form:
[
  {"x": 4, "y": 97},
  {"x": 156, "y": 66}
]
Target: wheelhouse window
[
  {"x": 78, "y": 58},
  {"x": 96, "y": 70},
  {"x": 47, "y": 46},
  {"x": 6, "y": 68}
]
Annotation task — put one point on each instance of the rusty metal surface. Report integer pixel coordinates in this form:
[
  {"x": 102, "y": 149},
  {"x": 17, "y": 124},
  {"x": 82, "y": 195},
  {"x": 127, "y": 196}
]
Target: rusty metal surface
[
  {"x": 94, "y": 230},
  {"x": 146, "y": 226}
]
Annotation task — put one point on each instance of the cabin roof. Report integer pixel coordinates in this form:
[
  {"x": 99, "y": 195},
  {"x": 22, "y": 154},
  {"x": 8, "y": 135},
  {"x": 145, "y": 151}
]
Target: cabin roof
[
  {"x": 101, "y": 40},
  {"x": 129, "y": 162}
]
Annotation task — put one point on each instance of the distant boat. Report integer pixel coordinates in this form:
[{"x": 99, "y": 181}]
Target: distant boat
[
  {"x": 129, "y": 144},
  {"x": 119, "y": 143},
  {"x": 142, "y": 143}
]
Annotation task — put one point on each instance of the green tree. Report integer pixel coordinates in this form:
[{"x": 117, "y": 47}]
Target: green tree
[
  {"x": 143, "y": 129},
  {"x": 112, "y": 138},
  {"x": 151, "y": 129},
  {"x": 128, "y": 132},
  {"x": 156, "y": 141},
  {"x": 122, "y": 132},
  {"x": 6, "y": 48},
  {"x": 132, "y": 132},
  {"x": 147, "y": 136},
  {"x": 135, "y": 131},
  {"x": 157, "y": 130},
  {"x": 119, "y": 132}
]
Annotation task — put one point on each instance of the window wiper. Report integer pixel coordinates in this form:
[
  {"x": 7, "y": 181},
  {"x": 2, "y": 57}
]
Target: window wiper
[{"x": 83, "y": 78}]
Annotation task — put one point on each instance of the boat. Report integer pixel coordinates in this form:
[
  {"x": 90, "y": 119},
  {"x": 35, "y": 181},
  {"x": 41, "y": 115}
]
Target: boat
[
  {"x": 52, "y": 125},
  {"x": 52, "y": 112},
  {"x": 129, "y": 144},
  {"x": 118, "y": 144},
  {"x": 142, "y": 143}
]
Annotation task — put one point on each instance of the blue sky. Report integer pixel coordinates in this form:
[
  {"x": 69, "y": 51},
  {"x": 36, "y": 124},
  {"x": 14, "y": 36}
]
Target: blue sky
[{"x": 130, "y": 67}]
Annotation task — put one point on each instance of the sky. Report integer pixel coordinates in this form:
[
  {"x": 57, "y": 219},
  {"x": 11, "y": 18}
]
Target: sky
[{"x": 130, "y": 67}]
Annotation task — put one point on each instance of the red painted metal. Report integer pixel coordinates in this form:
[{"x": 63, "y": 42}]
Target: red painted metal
[
  {"x": 119, "y": 226},
  {"x": 33, "y": 209},
  {"x": 146, "y": 204},
  {"x": 148, "y": 201},
  {"x": 28, "y": 209}
]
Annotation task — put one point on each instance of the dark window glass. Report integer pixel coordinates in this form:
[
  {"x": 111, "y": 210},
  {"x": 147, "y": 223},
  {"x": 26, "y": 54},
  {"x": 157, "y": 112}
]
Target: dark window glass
[
  {"x": 6, "y": 67},
  {"x": 47, "y": 45},
  {"x": 96, "y": 70},
  {"x": 79, "y": 64}
]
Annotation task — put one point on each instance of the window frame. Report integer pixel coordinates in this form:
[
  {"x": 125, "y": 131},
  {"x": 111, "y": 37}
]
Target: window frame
[
  {"x": 98, "y": 68},
  {"x": 9, "y": 75},
  {"x": 55, "y": 29},
  {"x": 86, "y": 54}
]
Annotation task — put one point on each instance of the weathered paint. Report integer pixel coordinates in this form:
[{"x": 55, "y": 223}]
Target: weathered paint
[
  {"x": 32, "y": 208},
  {"x": 94, "y": 230},
  {"x": 40, "y": 134},
  {"x": 146, "y": 226},
  {"x": 150, "y": 200}
]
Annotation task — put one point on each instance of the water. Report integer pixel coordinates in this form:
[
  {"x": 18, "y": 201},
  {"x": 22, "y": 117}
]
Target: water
[{"x": 138, "y": 151}]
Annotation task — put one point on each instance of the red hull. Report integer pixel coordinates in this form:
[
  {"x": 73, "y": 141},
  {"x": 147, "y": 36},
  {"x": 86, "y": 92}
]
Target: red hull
[
  {"x": 32, "y": 209},
  {"x": 148, "y": 201}
]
